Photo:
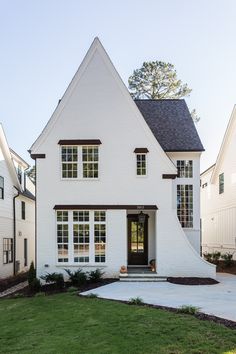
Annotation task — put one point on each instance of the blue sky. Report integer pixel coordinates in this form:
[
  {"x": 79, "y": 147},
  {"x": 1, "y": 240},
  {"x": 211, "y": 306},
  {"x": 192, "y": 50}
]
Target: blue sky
[{"x": 42, "y": 43}]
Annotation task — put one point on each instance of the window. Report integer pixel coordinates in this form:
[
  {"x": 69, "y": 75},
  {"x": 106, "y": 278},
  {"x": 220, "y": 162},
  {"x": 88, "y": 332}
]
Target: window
[
  {"x": 7, "y": 250},
  {"x": 1, "y": 187},
  {"x": 90, "y": 161},
  {"x": 74, "y": 156},
  {"x": 185, "y": 168},
  {"x": 81, "y": 236},
  {"x": 185, "y": 204},
  {"x": 19, "y": 173},
  {"x": 69, "y": 159},
  {"x": 204, "y": 185},
  {"x": 100, "y": 236},
  {"x": 221, "y": 183},
  {"x": 23, "y": 210},
  {"x": 141, "y": 164},
  {"x": 62, "y": 236}
]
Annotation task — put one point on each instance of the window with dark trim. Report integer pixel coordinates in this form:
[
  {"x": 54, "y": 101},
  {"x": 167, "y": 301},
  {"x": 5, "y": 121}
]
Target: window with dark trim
[
  {"x": 7, "y": 250},
  {"x": 1, "y": 187},
  {"x": 221, "y": 183},
  {"x": 185, "y": 168},
  {"x": 23, "y": 210}
]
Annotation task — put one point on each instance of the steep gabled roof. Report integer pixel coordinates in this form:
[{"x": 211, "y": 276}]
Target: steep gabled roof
[
  {"x": 8, "y": 157},
  {"x": 171, "y": 124},
  {"x": 228, "y": 133}
]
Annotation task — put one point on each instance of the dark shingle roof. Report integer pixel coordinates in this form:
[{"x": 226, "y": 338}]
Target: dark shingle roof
[
  {"x": 171, "y": 124},
  {"x": 26, "y": 193}
]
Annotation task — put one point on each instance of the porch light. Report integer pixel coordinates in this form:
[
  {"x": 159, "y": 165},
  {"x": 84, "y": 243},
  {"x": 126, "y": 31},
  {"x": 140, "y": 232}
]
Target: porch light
[{"x": 141, "y": 218}]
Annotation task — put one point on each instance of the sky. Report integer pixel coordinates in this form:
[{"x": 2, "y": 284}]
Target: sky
[{"x": 42, "y": 43}]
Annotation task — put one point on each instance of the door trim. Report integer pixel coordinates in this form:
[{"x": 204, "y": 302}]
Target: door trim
[{"x": 131, "y": 217}]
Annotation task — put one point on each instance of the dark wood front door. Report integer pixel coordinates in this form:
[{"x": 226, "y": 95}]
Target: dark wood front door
[{"x": 137, "y": 241}]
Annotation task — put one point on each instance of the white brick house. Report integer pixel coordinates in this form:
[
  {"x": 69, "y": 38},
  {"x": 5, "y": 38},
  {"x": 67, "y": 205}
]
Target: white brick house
[
  {"x": 104, "y": 159},
  {"x": 17, "y": 212},
  {"x": 218, "y": 197}
]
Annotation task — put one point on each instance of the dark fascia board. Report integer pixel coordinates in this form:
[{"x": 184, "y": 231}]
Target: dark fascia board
[
  {"x": 169, "y": 176},
  {"x": 141, "y": 150},
  {"x": 80, "y": 142},
  {"x": 189, "y": 150},
  {"x": 37, "y": 156},
  {"x": 102, "y": 207}
]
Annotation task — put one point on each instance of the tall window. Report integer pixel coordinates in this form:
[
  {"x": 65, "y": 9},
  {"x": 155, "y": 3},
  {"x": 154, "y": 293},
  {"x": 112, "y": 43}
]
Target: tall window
[
  {"x": 90, "y": 161},
  {"x": 141, "y": 165},
  {"x": 185, "y": 168},
  {"x": 62, "y": 236},
  {"x": 221, "y": 183},
  {"x": 69, "y": 159},
  {"x": 23, "y": 210},
  {"x": 185, "y": 205},
  {"x": 1, "y": 187},
  {"x": 100, "y": 236},
  {"x": 7, "y": 250},
  {"x": 81, "y": 236}
]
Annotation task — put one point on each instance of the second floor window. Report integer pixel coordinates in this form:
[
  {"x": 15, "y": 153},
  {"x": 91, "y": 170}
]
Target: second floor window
[
  {"x": 23, "y": 210},
  {"x": 1, "y": 187},
  {"x": 90, "y": 161},
  {"x": 141, "y": 169},
  {"x": 221, "y": 183},
  {"x": 185, "y": 168},
  {"x": 69, "y": 159}
]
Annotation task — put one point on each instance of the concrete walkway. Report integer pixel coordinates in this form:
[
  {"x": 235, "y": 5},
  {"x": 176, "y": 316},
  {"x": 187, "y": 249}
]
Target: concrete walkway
[
  {"x": 218, "y": 299},
  {"x": 14, "y": 289}
]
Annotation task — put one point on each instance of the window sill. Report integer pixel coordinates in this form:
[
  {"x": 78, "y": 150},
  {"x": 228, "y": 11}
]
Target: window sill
[
  {"x": 80, "y": 179},
  {"x": 97, "y": 265}
]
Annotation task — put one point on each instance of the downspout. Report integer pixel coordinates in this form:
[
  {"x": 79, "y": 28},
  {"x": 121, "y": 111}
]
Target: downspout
[{"x": 14, "y": 230}]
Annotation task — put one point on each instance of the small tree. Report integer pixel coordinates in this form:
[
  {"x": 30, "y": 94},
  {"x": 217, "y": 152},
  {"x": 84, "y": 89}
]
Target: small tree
[
  {"x": 32, "y": 273},
  {"x": 31, "y": 173}
]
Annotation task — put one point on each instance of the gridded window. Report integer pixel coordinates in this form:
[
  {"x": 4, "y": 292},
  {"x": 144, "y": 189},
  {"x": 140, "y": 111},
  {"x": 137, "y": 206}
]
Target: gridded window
[
  {"x": 7, "y": 250},
  {"x": 185, "y": 168},
  {"x": 99, "y": 216},
  {"x": 100, "y": 242},
  {"x": 62, "y": 236},
  {"x": 185, "y": 205},
  {"x": 141, "y": 164},
  {"x": 221, "y": 183},
  {"x": 81, "y": 242},
  {"x": 90, "y": 161},
  {"x": 69, "y": 159},
  {"x": 1, "y": 187},
  {"x": 80, "y": 215}
]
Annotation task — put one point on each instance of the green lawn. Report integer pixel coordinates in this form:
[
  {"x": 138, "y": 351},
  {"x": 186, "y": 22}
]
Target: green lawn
[{"x": 66, "y": 323}]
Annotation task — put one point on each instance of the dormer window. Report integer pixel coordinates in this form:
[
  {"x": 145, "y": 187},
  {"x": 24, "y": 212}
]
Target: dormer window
[
  {"x": 185, "y": 168},
  {"x": 1, "y": 187}
]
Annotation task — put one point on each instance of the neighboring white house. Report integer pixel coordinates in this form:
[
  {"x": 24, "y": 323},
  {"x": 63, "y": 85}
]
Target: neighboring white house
[
  {"x": 17, "y": 212},
  {"x": 107, "y": 192},
  {"x": 218, "y": 197}
]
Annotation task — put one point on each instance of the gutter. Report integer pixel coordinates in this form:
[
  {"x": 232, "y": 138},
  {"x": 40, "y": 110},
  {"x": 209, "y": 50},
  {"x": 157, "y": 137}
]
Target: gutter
[{"x": 14, "y": 231}]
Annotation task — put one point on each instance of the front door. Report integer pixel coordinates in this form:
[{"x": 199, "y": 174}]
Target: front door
[{"x": 137, "y": 241}]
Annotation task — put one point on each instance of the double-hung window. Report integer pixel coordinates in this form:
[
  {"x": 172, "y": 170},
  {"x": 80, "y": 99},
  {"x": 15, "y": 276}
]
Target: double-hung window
[
  {"x": 81, "y": 236},
  {"x": 100, "y": 236},
  {"x": 185, "y": 168},
  {"x": 62, "y": 236},
  {"x": 141, "y": 167},
  {"x": 1, "y": 187},
  {"x": 185, "y": 205},
  {"x": 79, "y": 162},
  {"x": 7, "y": 250}
]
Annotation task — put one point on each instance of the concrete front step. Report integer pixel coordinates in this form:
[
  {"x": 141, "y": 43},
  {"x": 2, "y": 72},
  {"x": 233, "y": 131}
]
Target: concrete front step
[
  {"x": 141, "y": 277},
  {"x": 129, "y": 279}
]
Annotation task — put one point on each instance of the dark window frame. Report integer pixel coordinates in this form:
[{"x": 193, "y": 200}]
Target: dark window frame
[
  {"x": 7, "y": 250},
  {"x": 1, "y": 187},
  {"x": 22, "y": 210},
  {"x": 221, "y": 183}
]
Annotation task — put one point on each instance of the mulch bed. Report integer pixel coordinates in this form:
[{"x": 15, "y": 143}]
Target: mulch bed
[
  {"x": 200, "y": 315},
  {"x": 221, "y": 268},
  {"x": 12, "y": 281},
  {"x": 192, "y": 281}
]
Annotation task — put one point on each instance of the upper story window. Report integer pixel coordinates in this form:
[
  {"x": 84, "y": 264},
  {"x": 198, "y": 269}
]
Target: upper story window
[
  {"x": 19, "y": 173},
  {"x": 221, "y": 183},
  {"x": 1, "y": 187},
  {"x": 79, "y": 161},
  {"x": 204, "y": 185},
  {"x": 185, "y": 168},
  {"x": 23, "y": 210},
  {"x": 141, "y": 164}
]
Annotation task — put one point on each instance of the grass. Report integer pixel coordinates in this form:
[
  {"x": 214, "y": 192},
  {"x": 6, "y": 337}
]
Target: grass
[{"x": 68, "y": 324}]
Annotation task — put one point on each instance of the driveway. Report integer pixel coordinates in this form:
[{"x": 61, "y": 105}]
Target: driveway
[{"x": 218, "y": 299}]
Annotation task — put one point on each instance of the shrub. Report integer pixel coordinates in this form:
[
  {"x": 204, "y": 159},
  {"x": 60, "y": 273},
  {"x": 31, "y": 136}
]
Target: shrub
[
  {"x": 189, "y": 309},
  {"x": 32, "y": 273},
  {"x": 95, "y": 275},
  {"x": 56, "y": 278},
  {"x": 228, "y": 259},
  {"x": 208, "y": 257},
  {"x": 72, "y": 289},
  {"x": 40, "y": 294},
  {"x": 216, "y": 257},
  {"x": 35, "y": 285},
  {"x": 136, "y": 300},
  {"x": 92, "y": 296},
  {"x": 77, "y": 278}
]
